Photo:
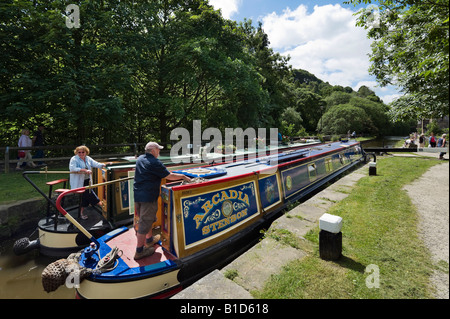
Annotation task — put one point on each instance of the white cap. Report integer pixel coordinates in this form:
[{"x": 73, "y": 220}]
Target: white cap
[
  {"x": 151, "y": 145},
  {"x": 330, "y": 223}
]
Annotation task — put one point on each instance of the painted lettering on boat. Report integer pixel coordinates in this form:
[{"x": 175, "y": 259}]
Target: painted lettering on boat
[
  {"x": 223, "y": 222},
  {"x": 220, "y": 198},
  {"x": 210, "y": 213}
]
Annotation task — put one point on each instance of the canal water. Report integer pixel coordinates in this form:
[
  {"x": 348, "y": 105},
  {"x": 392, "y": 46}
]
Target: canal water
[
  {"x": 387, "y": 142},
  {"x": 20, "y": 276}
]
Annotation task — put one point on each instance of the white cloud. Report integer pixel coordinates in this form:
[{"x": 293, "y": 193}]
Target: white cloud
[
  {"x": 297, "y": 27},
  {"x": 228, "y": 7},
  {"x": 326, "y": 43}
]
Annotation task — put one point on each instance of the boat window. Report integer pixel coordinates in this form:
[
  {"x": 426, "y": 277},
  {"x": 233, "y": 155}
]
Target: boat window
[
  {"x": 312, "y": 172},
  {"x": 343, "y": 159},
  {"x": 329, "y": 165}
]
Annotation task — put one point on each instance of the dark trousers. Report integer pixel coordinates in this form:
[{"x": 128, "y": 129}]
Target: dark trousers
[{"x": 89, "y": 196}]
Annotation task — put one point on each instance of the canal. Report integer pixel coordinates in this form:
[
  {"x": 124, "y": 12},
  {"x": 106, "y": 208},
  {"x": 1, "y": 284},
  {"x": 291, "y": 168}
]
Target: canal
[
  {"x": 20, "y": 276},
  {"x": 387, "y": 142}
]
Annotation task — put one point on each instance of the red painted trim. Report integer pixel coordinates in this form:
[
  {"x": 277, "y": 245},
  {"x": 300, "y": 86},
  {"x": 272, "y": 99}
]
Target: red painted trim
[
  {"x": 60, "y": 197},
  {"x": 169, "y": 293},
  {"x": 213, "y": 182}
]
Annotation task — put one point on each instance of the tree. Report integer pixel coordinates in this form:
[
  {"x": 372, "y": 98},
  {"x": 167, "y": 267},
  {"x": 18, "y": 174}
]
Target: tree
[
  {"x": 275, "y": 75},
  {"x": 338, "y": 97},
  {"x": 343, "y": 118},
  {"x": 291, "y": 122},
  {"x": 378, "y": 121},
  {"x": 75, "y": 76},
  {"x": 410, "y": 49},
  {"x": 192, "y": 65},
  {"x": 311, "y": 107}
]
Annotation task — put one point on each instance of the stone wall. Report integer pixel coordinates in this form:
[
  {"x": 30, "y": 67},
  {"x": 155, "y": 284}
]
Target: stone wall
[{"x": 20, "y": 216}]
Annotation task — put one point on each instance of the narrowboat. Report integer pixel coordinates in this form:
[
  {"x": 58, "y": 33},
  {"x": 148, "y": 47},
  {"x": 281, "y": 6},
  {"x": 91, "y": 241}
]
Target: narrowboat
[
  {"x": 56, "y": 236},
  {"x": 206, "y": 224}
]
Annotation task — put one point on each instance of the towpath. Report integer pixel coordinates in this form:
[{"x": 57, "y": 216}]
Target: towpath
[{"x": 268, "y": 257}]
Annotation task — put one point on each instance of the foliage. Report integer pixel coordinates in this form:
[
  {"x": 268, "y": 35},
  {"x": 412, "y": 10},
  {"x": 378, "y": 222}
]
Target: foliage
[
  {"x": 433, "y": 127},
  {"x": 146, "y": 67},
  {"x": 370, "y": 117},
  {"x": 134, "y": 71},
  {"x": 410, "y": 49},
  {"x": 291, "y": 122},
  {"x": 345, "y": 117}
]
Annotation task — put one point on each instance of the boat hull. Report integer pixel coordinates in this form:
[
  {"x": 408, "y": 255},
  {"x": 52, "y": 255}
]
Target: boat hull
[
  {"x": 168, "y": 282},
  {"x": 162, "y": 285},
  {"x": 61, "y": 244}
]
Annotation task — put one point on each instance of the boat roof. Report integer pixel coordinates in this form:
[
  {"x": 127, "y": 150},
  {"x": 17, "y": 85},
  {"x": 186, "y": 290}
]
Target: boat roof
[
  {"x": 167, "y": 159},
  {"x": 219, "y": 172}
]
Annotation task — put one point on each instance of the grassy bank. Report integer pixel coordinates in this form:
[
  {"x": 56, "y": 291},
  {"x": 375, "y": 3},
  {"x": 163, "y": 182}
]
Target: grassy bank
[
  {"x": 14, "y": 187},
  {"x": 380, "y": 228}
]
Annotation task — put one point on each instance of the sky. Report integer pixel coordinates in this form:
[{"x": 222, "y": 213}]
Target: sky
[{"x": 319, "y": 36}]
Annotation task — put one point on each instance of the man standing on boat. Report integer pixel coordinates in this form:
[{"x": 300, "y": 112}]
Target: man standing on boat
[{"x": 147, "y": 183}]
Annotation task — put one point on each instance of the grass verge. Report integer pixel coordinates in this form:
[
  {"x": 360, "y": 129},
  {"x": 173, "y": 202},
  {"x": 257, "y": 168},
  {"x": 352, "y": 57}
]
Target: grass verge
[
  {"x": 380, "y": 228},
  {"x": 14, "y": 187}
]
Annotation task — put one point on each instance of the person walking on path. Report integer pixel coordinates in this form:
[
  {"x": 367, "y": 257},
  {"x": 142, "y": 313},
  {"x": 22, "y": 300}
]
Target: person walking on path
[
  {"x": 25, "y": 155},
  {"x": 38, "y": 140},
  {"x": 422, "y": 140},
  {"x": 432, "y": 140}
]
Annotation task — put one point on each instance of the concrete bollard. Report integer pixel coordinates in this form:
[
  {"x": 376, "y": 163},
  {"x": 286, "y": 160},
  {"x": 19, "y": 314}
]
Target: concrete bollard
[
  {"x": 372, "y": 168},
  {"x": 330, "y": 237}
]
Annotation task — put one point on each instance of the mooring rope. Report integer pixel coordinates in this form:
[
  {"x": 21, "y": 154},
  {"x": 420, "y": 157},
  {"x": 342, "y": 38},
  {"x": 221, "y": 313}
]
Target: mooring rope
[{"x": 108, "y": 262}]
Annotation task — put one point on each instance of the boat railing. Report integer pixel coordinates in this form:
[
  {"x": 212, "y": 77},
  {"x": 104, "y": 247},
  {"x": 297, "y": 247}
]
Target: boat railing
[
  {"x": 73, "y": 220},
  {"x": 64, "y": 192},
  {"x": 81, "y": 190},
  {"x": 50, "y": 202}
]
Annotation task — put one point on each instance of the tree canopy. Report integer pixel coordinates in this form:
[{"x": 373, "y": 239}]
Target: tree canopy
[
  {"x": 410, "y": 49},
  {"x": 135, "y": 70}
]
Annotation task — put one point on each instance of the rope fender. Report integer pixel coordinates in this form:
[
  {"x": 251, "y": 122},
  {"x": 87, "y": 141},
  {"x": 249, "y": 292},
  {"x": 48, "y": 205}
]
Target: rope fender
[{"x": 56, "y": 273}]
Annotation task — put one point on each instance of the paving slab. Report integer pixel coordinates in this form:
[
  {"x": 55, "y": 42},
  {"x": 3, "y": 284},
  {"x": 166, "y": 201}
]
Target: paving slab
[
  {"x": 332, "y": 195},
  {"x": 214, "y": 286},
  {"x": 308, "y": 212},
  {"x": 297, "y": 226},
  {"x": 256, "y": 266},
  {"x": 320, "y": 202},
  {"x": 352, "y": 178}
]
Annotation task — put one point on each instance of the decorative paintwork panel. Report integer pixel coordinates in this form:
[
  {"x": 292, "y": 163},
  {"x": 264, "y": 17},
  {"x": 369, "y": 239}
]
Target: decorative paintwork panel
[
  {"x": 269, "y": 190},
  {"x": 208, "y": 214}
]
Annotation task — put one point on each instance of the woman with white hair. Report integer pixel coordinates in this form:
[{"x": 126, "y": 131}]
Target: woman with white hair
[{"x": 80, "y": 167}]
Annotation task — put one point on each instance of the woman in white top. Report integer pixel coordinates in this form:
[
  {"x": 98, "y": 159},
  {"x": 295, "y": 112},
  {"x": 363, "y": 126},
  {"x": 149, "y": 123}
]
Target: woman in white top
[
  {"x": 25, "y": 155},
  {"x": 81, "y": 165}
]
